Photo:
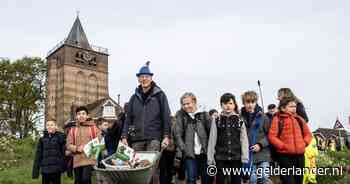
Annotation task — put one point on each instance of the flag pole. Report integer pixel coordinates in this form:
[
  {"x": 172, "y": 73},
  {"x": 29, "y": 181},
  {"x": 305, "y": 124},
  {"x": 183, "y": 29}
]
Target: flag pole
[{"x": 261, "y": 96}]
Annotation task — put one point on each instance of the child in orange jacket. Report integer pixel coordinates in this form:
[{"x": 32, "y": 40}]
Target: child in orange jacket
[{"x": 290, "y": 135}]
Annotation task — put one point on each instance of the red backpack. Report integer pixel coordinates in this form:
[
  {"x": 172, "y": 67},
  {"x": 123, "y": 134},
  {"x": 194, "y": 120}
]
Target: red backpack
[{"x": 73, "y": 133}]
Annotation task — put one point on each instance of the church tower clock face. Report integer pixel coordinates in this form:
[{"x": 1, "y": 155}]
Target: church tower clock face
[{"x": 85, "y": 57}]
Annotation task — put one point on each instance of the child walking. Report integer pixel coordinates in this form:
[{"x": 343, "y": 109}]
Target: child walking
[
  {"x": 228, "y": 141},
  {"x": 49, "y": 157},
  {"x": 258, "y": 125},
  {"x": 192, "y": 128},
  {"x": 290, "y": 135},
  {"x": 78, "y": 137}
]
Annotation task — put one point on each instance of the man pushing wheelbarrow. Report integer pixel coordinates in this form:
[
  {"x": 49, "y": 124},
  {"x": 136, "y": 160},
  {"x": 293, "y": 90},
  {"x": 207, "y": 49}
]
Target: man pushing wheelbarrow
[{"x": 147, "y": 125}]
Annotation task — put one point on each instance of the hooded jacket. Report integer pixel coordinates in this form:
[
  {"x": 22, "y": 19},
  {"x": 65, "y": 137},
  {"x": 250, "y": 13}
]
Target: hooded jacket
[{"x": 149, "y": 114}]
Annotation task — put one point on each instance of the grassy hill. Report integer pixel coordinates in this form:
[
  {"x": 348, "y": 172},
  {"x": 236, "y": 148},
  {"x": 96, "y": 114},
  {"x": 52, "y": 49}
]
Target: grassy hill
[{"x": 16, "y": 161}]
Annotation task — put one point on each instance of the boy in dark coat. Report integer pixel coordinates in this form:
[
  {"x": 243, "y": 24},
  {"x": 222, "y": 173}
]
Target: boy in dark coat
[
  {"x": 49, "y": 157},
  {"x": 258, "y": 125}
]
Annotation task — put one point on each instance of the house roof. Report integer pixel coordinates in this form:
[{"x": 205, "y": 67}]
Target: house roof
[
  {"x": 96, "y": 107},
  {"x": 96, "y": 104},
  {"x": 99, "y": 104},
  {"x": 320, "y": 134},
  {"x": 329, "y": 132}
]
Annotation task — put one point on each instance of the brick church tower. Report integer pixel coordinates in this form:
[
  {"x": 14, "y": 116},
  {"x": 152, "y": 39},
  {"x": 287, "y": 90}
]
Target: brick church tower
[{"x": 77, "y": 74}]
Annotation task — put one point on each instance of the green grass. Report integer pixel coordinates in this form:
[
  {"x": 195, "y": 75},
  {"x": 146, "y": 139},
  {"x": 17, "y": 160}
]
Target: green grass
[
  {"x": 23, "y": 175},
  {"x": 334, "y": 159},
  {"x": 19, "y": 172}
]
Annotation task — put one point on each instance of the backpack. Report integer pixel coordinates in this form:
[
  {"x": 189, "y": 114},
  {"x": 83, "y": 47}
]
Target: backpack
[{"x": 73, "y": 133}]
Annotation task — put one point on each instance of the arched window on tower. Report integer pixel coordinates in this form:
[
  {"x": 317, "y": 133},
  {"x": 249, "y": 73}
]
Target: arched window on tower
[
  {"x": 93, "y": 88},
  {"x": 80, "y": 88}
]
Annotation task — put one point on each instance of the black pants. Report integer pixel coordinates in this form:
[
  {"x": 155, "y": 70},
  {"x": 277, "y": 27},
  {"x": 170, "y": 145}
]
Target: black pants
[
  {"x": 52, "y": 178},
  {"x": 202, "y": 168},
  {"x": 290, "y": 161},
  {"x": 82, "y": 175},
  {"x": 235, "y": 179},
  {"x": 166, "y": 167},
  {"x": 181, "y": 175},
  {"x": 69, "y": 166}
]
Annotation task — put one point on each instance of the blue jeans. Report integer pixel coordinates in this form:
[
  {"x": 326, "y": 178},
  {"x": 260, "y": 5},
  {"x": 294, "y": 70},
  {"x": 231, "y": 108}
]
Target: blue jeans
[
  {"x": 195, "y": 167},
  {"x": 191, "y": 170},
  {"x": 259, "y": 177}
]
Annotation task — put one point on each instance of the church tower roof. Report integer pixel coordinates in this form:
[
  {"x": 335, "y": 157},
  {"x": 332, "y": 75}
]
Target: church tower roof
[
  {"x": 77, "y": 35},
  {"x": 77, "y": 38}
]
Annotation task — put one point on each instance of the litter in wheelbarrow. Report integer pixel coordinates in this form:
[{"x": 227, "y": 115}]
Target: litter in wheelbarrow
[
  {"x": 140, "y": 160},
  {"x": 125, "y": 157},
  {"x": 126, "y": 164},
  {"x": 134, "y": 175}
]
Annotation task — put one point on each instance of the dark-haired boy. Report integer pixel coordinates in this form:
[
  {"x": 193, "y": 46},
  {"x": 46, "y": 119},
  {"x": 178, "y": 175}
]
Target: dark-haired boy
[
  {"x": 228, "y": 141},
  {"x": 78, "y": 137}
]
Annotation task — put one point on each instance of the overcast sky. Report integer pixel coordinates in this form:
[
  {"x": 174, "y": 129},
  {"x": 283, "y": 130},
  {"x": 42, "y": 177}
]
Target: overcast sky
[{"x": 206, "y": 47}]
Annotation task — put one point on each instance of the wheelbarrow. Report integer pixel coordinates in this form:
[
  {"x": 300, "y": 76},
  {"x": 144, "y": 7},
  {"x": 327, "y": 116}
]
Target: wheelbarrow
[{"x": 143, "y": 175}]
